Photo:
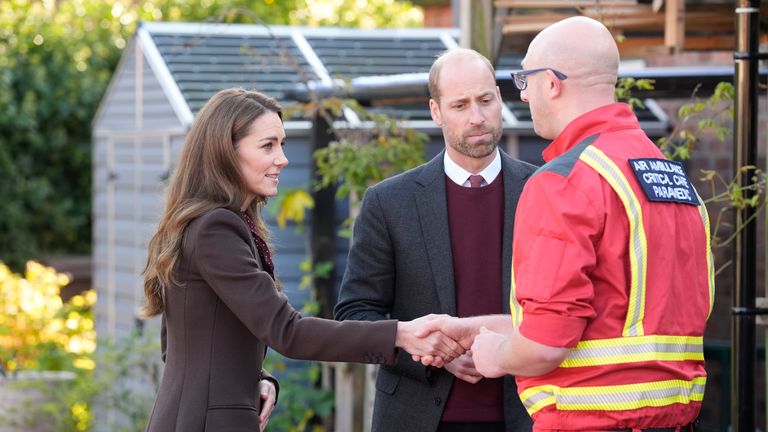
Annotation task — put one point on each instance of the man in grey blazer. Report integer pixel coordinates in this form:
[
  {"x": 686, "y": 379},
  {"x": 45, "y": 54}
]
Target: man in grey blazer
[{"x": 438, "y": 239}]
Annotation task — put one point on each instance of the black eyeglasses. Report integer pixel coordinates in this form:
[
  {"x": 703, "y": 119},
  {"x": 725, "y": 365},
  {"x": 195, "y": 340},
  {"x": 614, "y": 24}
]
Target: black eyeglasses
[{"x": 520, "y": 76}]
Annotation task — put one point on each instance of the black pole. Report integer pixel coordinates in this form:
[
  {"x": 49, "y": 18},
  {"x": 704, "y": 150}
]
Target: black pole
[
  {"x": 323, "y": 237},
  {"x": 743, "y": 353}
]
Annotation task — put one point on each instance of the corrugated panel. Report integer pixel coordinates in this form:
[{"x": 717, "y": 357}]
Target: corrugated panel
[
  {"x": 412, "y": 111},
  {"x": 357, "y": 55},
  {"x": 203, "y": 64}
]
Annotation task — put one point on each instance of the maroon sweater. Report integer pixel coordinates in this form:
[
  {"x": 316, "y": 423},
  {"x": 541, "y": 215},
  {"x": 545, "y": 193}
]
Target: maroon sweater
[{"x": 476, "y": 222}]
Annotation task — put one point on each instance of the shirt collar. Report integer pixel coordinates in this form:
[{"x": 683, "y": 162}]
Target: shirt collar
[
  {"x": 460, "y": 176},
  {"x": 604, "y": 119}
]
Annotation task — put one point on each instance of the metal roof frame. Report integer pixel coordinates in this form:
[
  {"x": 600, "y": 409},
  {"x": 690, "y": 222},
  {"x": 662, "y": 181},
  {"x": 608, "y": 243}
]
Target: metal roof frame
[
  {"x": 297, "y": 35},
  {"x": 670, "y": 82}
]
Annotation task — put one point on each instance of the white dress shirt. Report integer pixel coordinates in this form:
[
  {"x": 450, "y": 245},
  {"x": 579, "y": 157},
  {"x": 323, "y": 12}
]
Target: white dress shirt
[{"x": 460, "y": 176}]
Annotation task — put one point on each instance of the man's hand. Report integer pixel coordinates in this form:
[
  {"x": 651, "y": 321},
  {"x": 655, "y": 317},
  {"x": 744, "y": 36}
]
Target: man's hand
[
  {"x": 432, "y": 345},
  {"x": 268, "y": 395},
  {"x": 456, "y": 328},
  {"x": 463, "y": 368},
  {"x": 485, "y": 351}
]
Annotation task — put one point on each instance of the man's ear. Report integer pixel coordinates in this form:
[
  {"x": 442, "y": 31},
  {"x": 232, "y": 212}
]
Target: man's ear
[
  {"x": 555, "y": 85},
  {"x": 434, "y": 110}
]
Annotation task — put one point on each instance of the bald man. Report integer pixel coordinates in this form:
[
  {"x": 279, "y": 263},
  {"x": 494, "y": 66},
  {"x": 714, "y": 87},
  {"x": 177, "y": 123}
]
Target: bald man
[
  {"x": 612, "y": 271},
  {"x": 438, "y": 239}
]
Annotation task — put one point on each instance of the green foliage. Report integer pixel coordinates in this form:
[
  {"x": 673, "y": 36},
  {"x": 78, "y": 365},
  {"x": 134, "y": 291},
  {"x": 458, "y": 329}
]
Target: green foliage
[
  {"x": 366, "y": 14},
  {"x": 713, "y": 117},
  {"x": 38, "y": 331},
  {"x": 301, "y": 400},
  {"x": 726, "y": 195},
  {"x": 700, "y": 117},
  {"x": 121, "y": 365},
  {"x": 708, "y": 117},
  {"x": 626, "y": 85},
  {"x": 291, "y": 204},
  {"x": 360, "y": 158},
  {"x": 54, "y": 66}
]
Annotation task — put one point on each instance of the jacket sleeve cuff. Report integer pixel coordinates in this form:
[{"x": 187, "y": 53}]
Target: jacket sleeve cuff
[{"x": 553, "y": 330}]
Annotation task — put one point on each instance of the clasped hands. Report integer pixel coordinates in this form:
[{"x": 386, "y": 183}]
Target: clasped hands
[{"x": 438, "y": 340}]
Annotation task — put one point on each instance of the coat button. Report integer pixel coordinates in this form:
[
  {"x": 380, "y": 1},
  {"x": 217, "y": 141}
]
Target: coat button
[{"x": 438, "y": 400}]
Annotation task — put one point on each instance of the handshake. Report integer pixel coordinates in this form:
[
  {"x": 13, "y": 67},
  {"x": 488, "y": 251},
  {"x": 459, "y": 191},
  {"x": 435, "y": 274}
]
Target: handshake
[{"x": 438, "y": 340}]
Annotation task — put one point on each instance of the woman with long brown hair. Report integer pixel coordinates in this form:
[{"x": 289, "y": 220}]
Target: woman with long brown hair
[{"x": 210, "y": 275}]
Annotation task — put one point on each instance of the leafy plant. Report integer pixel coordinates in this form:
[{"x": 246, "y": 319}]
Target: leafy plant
[
  {"x": 37, "y": 330},
  {"x": 302, "y": 402},
  {"x": 708, "y": 117},
  {"x": 124, "y": 371},
  {"x": 626, "y": 85},
  {"x": 712, "y": 117},
  {"x": 362, "y": 157},
  {"x": 700, "y": 117}
]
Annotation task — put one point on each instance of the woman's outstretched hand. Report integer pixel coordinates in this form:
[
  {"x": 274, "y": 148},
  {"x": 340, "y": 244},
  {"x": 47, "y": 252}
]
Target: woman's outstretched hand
[{"x": 424, "y": 341}]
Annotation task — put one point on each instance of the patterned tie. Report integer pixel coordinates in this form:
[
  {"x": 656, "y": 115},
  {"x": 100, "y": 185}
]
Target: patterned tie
[
  {"x": 261, "y": 246},
  {"x": 475, "y": 181}
]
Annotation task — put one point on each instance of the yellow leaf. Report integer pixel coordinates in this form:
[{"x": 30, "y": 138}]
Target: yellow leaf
[{"x": 293, "y": 207}]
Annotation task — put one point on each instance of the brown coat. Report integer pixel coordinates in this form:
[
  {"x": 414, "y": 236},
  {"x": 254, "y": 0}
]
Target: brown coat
[{"x": 219, "y": 321}]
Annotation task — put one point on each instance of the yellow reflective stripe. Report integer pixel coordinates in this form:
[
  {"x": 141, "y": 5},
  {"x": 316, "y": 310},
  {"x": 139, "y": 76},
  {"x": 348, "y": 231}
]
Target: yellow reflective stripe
[
  {"x": 635, "y": 349},
  {"x": 710, "y": 257},
  {"x": 614, "y": 398},
  {"x": 514, "y": 307},
  {"x": 638, "y": 247},
  {"x": 536, "y": 398}
]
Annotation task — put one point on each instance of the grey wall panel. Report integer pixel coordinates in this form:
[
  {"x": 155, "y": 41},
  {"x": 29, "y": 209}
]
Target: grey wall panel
[
  {"x": 100, "y": 176},
  {"x": 298, "y": 150},
  {"x": 99, "y": 263},
  {"x": 288, "y": 240},
  {"x": 127, "y": 232},
  {"x": 129, "y": 205},
  {"x": 287, "y": 265},
  {"x": 99, "y": 151},
  {"x": 119, "y": 110}
]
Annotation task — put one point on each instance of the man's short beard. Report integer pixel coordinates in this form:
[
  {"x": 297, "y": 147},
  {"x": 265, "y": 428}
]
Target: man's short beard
[{"x": 480, "y": 149}]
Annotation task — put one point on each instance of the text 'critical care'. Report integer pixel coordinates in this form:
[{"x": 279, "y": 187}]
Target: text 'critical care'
[{"x": 664, "y": 180}]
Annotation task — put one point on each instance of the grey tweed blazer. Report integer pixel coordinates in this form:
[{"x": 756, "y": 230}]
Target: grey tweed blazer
[{"x": 400, "y": 266}]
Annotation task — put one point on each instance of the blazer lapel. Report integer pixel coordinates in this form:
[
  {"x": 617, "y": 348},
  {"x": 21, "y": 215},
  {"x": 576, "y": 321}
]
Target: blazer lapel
[
  {"x": 513, "y": 187},
  {"x": 432, "y": 209}
]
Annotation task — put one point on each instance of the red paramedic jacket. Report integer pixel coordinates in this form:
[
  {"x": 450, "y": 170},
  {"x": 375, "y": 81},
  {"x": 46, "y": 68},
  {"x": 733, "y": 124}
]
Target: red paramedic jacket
[{"x": 626, "y": 282}]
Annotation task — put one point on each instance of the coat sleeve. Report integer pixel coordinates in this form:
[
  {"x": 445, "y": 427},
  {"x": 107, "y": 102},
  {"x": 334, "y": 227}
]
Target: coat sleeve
[
  {"x": 367, "y": 290},
  {"x": 557, "y": 221},
  {"x": 368, "y": 286},
  {"x": 227, "y": 263}
]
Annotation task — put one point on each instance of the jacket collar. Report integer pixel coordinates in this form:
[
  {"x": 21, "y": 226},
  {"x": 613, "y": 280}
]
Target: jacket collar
[{"x": 607, "y": 118}]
